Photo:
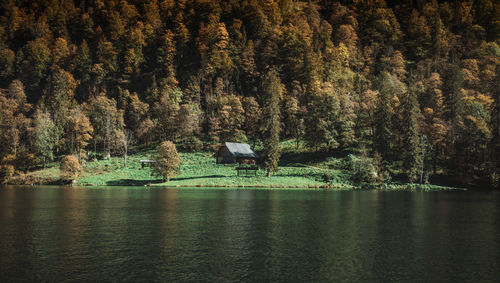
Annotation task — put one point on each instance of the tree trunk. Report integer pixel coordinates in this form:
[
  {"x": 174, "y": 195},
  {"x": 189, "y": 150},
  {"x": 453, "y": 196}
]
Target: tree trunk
[
  {"x": 268, "y": 172},
  {"x": 434, "y": 161}
]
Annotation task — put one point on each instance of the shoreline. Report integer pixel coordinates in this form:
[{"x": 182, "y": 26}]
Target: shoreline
[
  {"x": 338, "y": 187},
  {"x": 199, "y": 170}
]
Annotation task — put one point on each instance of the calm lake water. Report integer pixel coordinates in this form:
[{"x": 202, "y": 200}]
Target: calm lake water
[{"x": 140, "y": 234}]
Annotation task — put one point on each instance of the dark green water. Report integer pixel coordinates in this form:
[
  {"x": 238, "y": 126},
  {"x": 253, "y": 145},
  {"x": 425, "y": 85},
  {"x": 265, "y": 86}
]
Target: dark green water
[{"x": 138, "y": 234}]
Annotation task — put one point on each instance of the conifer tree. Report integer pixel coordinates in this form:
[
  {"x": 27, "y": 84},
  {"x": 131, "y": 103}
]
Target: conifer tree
[
  {"x": 253, "y": 117},
  {"x": 413, "y": 161},
  {"x": 271, "y": 118},
  {"x": 383, "y": 138}
]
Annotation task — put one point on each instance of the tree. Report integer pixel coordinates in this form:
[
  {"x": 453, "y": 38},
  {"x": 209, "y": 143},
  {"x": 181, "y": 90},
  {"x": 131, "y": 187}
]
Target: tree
[
  {"x": 121, "y": 141},
  {"x": 346, "y": 121},
  {"x": 83, "y": 67},
  {"x": 166, "y": 110},
  {"x": 413, "y": 161},
  {"x": 232, "y": 117},
  {"x": 323, "y": 116},
  {"x": 145, "y": 131},
  {"x": 59, "y": 97},
  {"x": 14, "y": 122},
  {"x": 434, "y": 127},
  {"x": 271, "y": 117},
  {"x": 70, "y": 168},
  {"x": 44, "y": 136},
  {"x": 167, "y": 161},
  {"x": 135, "y": 112},
  {"x": 367, "y": 110},
  {"x": 33, "y": 62},
  {"x": 293, "y": 118},
  {"x": 7, "y": 59},
  {"x": 105, "y": 119},
  {"x": 384, "y": 135},
  {"x": 78, "y": 132},
  {"x": 188, "y": 120},
  {"x": 253, "y": 117}
]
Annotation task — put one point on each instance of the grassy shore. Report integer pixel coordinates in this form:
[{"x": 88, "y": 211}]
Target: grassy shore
[{"x": 298, "y": 169}]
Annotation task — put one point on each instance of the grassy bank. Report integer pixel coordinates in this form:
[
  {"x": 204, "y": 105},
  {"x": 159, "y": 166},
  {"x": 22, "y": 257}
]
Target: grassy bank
[
  {"x": 197, "y": 169},
  {"x": 298, "y": 169}
]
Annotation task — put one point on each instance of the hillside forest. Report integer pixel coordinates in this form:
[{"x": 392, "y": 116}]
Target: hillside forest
[{"x": 412, "y": 86}]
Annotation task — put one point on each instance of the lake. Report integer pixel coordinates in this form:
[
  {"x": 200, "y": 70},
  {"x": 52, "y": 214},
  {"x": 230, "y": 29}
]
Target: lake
[{"x": 155, "y": 234}]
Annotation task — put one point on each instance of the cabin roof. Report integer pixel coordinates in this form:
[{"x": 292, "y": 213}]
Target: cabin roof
[{"x": 241, "y": 150}]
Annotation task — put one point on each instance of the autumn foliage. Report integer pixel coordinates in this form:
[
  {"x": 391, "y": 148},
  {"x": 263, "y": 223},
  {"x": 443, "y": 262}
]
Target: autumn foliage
[
  {"x": 414, "y": 82},
  {"x": 70, "y": 168},
  {"x": 167, "y": 160}
]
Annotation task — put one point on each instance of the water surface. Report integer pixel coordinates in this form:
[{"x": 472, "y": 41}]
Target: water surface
[{"x": 141, "y": 234}]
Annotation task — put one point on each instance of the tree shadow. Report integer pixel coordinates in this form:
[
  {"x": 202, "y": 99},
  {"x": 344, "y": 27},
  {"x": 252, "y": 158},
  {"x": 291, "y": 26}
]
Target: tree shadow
[
  {"x": 197, "y": 177},
  {"x": 130, "y": 182},
  {"x": 297, "y": 159}
]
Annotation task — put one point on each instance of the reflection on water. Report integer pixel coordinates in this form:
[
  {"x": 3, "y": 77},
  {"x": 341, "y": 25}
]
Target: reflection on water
[{"x": 96, "y": 234}]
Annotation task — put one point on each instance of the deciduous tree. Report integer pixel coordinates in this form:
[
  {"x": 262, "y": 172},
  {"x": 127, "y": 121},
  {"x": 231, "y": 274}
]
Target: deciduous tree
[
  {"x": 70, "y": 168},
  {"x": 167, "y": 161}
]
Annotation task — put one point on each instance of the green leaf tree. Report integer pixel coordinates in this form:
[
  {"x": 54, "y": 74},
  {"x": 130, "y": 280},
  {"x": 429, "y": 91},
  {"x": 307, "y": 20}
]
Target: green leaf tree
[{"x": 44, "y": 136}]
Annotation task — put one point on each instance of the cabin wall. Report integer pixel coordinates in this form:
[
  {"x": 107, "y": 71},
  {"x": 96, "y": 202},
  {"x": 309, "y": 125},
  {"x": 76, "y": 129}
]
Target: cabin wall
[{"x": 224, "y": 156}]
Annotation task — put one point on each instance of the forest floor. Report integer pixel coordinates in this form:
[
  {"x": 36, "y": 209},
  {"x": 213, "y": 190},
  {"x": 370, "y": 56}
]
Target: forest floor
[{"x": 297, "y": 169}]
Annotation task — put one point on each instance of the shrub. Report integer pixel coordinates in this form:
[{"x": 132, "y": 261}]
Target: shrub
[
  {"x": 25, "y": 160},
  {"x": 167, "y": 160},
  {"x": 364, "y": 169},
  {"x": 70, "y": 168},
  {"x": 193, "y": 144},
  {"x": 6, "y": 172}
]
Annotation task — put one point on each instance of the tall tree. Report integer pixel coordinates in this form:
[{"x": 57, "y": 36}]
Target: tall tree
[
  {"x": 253, "y": 117},
  {"x": 44, "y": 136},
  {"x": 272, "y": 90},
  {"x": 78, "y": 132},
  {"x": 384, "y": 119},
  {"x": 413, "y": 160},
  {"x": 105, "y": 118}
]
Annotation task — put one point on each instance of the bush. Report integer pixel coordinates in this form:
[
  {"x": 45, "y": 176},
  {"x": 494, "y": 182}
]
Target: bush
[
  {"x": 6, "y": 172},
  {"x": 364, "y": 169},
  {"x": 70, "y": 168},
  {"x": 167, "y": 161},
  {"x": 193, "y": 144},
  {"x": 25, "y": 161}
]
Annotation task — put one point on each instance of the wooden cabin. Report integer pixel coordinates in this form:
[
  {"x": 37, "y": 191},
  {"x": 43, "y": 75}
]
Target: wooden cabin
[{"x": 231, "y": 153}]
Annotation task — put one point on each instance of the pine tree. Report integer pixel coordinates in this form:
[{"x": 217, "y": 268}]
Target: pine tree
[
  {"x": 253, "y": 117},
  {"x": 413, "y": 161},
  {"x": 271, "y": 118},
  {"x": 383, "y": 139}
]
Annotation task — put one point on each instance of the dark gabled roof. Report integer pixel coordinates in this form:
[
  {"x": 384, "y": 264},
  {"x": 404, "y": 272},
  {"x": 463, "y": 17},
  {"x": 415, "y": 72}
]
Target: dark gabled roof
[{"x": 241, "y": 150}]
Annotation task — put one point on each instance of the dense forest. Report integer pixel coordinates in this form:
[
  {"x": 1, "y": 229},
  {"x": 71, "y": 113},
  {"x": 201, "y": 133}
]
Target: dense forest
[{"x": 412, "y": 85}]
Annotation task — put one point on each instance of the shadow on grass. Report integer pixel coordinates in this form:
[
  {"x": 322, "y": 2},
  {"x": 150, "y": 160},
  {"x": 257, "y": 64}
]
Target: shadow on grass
[
  {"x": 198, "y": 177},
  {"x": 294, "y": 158},
  {"x": 130, "y": 182}
]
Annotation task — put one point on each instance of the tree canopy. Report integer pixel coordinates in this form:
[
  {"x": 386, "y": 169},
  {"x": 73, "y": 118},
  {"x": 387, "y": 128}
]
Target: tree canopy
[{"x": 419, "y": 77}]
